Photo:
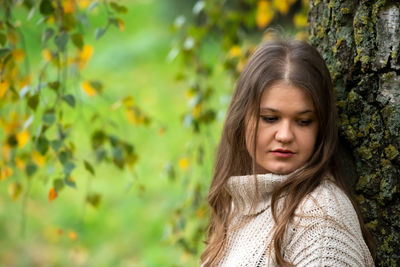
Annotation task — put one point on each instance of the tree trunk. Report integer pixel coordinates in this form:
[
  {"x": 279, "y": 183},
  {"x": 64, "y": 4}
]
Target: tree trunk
[{"x": 360, "y": 41}]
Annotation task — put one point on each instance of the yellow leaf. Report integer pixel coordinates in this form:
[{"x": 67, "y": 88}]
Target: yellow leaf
[
  {"x": 241, "y": 64},
  {"x": 235, "y": 51},
  {"x": 88, "y": 88},
  {"x": 190, "y": 92},
  {"x": 133, "y": 116},
  {"x": 18, "y": 54},
  {"x": 83, "y": 4},
  {"x": 6, "y": 172},
  {"x": 3, "y": 88},
  {"x": 14, "y": 190},
  {"x": 52, "y": 194},
  {"x": 183, "y": 163},
  {"x": 282, "y": 6},
  {"x": 300, "y": 20},
  {"x": 46, "y": 53},
  {"x": 85, "y": 55},
  {"x": 196, "y": 111},
  {"x": 69, "y": 6},
  {"x": 72, "y": 235},
  {"x": 38, "y": 158},
  {"x": 264, "y": 13},
  {"x": 23, "y": 138},
  {"x": 121, "y": 24},
  {"x": 20, "y": 163},
  {"x": 128, "y": 101}
]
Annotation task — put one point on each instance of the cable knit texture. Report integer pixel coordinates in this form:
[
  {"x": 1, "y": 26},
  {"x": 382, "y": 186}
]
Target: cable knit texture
[{"x": 325, "y": 230}]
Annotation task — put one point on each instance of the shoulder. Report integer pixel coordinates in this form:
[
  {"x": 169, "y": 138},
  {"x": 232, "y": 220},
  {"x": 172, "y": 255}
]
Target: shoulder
[{"x": 325, "y": 231}]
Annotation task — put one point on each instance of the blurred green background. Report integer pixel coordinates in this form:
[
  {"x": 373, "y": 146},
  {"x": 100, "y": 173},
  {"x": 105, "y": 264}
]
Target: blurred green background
[{"x": 181, "y": 78}]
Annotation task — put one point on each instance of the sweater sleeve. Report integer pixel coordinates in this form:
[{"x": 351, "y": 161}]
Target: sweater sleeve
[{"x": 326, "y": 231}]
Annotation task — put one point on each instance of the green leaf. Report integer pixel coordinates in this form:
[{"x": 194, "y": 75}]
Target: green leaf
[
  {"x": 69, "y": 99},
  {"x": 69, "y": 182},
  {"x": 54, "y": 85},
  {"x": 97, "y": 85},
  {"x": 61, "y": 41},
  {"x": 49, "y": 117},
  {"x": 99, "y": 32},
  {"x": 118, "y": 157},
  {"x": 68, "y": 22},
  {"x": 3, "y": 39},
  {"x": 47, "y": 34},
  {"x": 46, "y": 8},
  {"x": 12, "y": 140},
  {"x": 77, "y": 40},
  {"x": 4, "y": 52},
  {"x": 118, "y": 8},
  {"x": 30, "y": 168},
  {"x": 56, "y": 145},
  {"x": 58, "y": 184},
  {"x": 63, "y": 156},
  {"x": 33, "y": 101},
  {"x": 98, "y": 138},
  {"x": 94, "y": 199},
  {"x": 68, "y": 167},
  {"x": 42, "y": 144},
  {"x": 89, "y": 167}
]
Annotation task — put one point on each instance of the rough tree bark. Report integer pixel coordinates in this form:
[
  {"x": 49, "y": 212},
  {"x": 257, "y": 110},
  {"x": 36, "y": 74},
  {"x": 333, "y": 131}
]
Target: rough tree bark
[{"x": 360, "y": 41}]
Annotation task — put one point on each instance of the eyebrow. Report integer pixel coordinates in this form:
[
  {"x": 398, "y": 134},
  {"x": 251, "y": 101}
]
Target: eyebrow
[{"x": 277, "y": 111}]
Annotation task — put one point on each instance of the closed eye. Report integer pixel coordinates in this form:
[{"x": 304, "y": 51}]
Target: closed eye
[
  {"x": 304, "y": 122},
  {"x": 269, "y": 119}
]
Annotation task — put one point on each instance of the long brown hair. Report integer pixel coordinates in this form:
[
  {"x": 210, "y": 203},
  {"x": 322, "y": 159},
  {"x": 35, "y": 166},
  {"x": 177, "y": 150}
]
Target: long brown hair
[{"x": 302, "y": 66}]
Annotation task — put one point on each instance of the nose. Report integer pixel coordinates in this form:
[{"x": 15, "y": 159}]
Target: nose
[{"x": 284, "y": 133}]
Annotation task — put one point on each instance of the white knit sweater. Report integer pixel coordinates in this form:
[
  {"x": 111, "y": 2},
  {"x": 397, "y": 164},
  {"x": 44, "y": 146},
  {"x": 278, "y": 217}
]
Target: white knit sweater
[{"x": 325, "y": 230}]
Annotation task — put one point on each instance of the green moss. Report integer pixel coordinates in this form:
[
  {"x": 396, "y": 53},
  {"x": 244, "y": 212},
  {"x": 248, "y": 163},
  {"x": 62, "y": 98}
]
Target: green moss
[
  {"x": 364, "y": 152},
  {"x": 391, "y": 152},
  {"x": 372, "y": 225},
  {"x": 365, "y": 59},
  {"x": 320, "y": 32},
  {"x": 351, "y": 135},
  {"x": 345, "y": 10},
  {"x": 362, "y": 182},
  {"x": 386, "y": 246}
]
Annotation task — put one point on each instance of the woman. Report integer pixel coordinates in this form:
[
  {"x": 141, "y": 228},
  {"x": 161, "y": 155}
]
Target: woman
[{"x": 277, "y": 196}]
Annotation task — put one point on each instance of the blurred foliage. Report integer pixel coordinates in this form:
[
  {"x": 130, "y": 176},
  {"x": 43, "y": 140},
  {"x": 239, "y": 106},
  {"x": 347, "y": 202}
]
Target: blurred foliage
[
  {"x": 216, "y": 40},
  {"x": 37, "y": 103}
]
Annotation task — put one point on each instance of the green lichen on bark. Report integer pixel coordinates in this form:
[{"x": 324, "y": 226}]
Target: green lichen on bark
[{"x": 360, "y": 42}]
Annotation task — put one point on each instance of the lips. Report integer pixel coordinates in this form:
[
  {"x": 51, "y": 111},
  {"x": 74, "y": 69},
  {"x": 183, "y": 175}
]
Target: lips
[{"x": 282, "y": 153}]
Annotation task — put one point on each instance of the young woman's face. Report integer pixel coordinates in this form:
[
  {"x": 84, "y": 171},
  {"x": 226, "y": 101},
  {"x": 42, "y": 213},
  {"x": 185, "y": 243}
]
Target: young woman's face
[{"x": 287, "y": 130}]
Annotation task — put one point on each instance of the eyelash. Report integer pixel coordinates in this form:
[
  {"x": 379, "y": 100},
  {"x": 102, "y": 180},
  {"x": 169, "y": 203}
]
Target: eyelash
[{"x": 272, "y": 119}]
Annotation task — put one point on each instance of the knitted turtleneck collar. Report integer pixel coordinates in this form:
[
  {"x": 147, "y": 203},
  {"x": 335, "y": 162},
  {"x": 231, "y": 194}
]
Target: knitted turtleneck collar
[{"x": 243, "y": 191}]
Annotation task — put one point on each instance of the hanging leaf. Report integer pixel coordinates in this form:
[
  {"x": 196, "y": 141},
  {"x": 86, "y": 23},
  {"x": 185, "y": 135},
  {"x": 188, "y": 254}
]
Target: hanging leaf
[
  {"x": 70, "y": 181},
  {"x": 99, "y": 32},
  {"x": 3, "y": 39},
  {"x": 54, "y": 85},
  {"x": 33, "y": 101},
  {"x": 89, "y": 167},
  {"x": 94, "y": 199},
  {"x": 68, "y": 168},
  {"x": 61, "y": 41},
  {"x": 69, "y": 99},
  {"x": 42, "y": 144},
  {"x": 118, "y": 8},
  {"x": 52, "y": 194},
  {"x": 77, "y": 40},
  {"x": 23, "y": 138},
  {"x": 14, "y": 190},
  {"x": 56, "y": 145},
  {"x": 58, "y": 185},
  {"x": 49, "y": 116},
  {"x": 30, "y": 168},
  {"x": 46, "y": 7},
  {"x": 47, "y": 34}
]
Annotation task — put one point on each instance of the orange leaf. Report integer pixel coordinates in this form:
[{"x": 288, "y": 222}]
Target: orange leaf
[
  {"x": 72, "y": 235},
  {"x": 85, "y": 55},
  {"x": 5, "y": 172},
  {"x": 47, "y": 55},
  {"x": 121, "y": 24},
  {"x": 52, "y": 194}
]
